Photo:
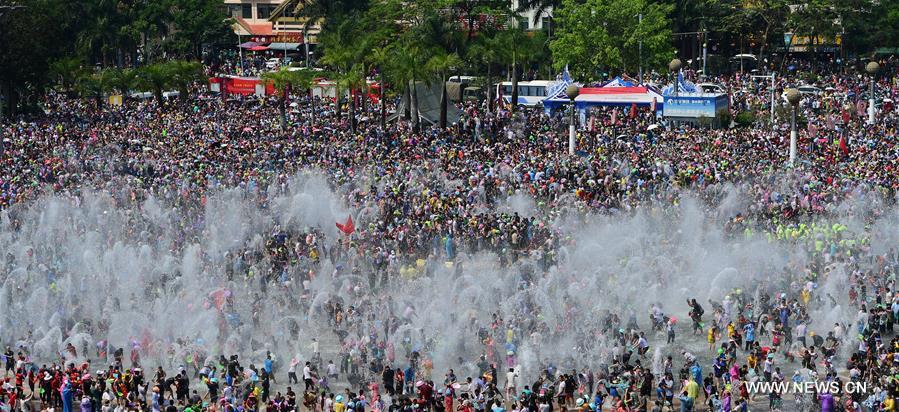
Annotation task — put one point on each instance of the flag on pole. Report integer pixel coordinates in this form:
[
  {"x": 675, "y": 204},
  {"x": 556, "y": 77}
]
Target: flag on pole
[{"x": 844, "y": 147}]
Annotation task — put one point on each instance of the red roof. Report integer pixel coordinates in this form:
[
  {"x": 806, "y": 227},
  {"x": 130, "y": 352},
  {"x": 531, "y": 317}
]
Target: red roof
[
  {"x": 613, "y": 90},
  {"x": 255, "y": 29}
]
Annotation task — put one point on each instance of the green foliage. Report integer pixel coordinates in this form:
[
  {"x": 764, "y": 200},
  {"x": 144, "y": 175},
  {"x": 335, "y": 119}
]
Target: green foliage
[
  {"x": 66, "y": 70},
  {"x": 94, "y": 84},
  {"x": 124, "y": 80},
  {"x": 745, "y": 119},
  {"x": 597, "y": 35},
  {"x": 724, "y": 117},
  {"x": 155, "y": 78}
]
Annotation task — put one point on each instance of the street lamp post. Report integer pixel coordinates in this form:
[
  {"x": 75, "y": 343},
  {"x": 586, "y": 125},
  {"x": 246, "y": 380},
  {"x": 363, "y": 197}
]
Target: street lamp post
[
  {"x": 872, "y": 68},
  {"x": 572, "y": 91},
  {"x": 793, "y": 98},
  {"x": 675, "y": 66}
]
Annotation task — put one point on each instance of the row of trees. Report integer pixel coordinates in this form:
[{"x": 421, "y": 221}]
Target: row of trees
[
  {"x": 73, "y": 77},
  {"x": 425, "y": 41},
  {"x": 414, "y": 44},
  {"x": 36, "y": 35}
]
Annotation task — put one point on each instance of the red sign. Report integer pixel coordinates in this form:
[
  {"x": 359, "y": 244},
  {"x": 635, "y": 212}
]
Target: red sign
[
  {"x": 242, "y": 85},
  {"x": 288, "y": 37}
]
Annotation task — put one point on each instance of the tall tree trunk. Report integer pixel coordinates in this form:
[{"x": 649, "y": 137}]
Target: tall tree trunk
[
  {"x": 443, "y": 102},
  {"x": 338, "y": 98},
  {"x": 364, "y": 91},
  {"x": 407, "y": 104},
  {"x": 382, "y": 102},
  {"x": 311, "y": 105},
  {"x": 353, "y": 111},
  {"x": 489, "y": 88},
  {"x": 514, "y": 99},
  {"x": 413, "y": 98},
  {"x": 764, "y": 43},
  {"x": 283, "y": 108}
]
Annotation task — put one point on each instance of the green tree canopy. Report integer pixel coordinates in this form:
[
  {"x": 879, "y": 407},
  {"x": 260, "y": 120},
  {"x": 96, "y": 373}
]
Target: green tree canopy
[{"x": 597, "y": 35}]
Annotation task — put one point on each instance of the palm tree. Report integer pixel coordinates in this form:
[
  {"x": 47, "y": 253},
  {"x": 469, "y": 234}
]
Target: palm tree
[
  {"x": 539, "y": 7},
  {"x": 184, "y": 74},
  {"x": 381, "y": 58},
  {"x": 487, "y": 52},
  {"x": 155, "y": 78},
  {"x": 281, "y": 80},
  {"x": 408, "y": 58},
  {"x": 328, "y": 11},
  {"x": 67, "y": 71},
  {"x": 95, "y": 84},
  {"x": 304, "y": 79},
  {"x": 439, "y": 65},
  {"x": 124, "y": 80},
  {"x": 352, "y": 81},
  {"x": 518, "y": 47}
]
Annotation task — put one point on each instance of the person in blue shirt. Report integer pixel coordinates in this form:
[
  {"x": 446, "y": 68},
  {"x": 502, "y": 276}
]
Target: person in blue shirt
[
  {"x": 696, "y": 371},
  {"x": 597, "y": 400},
  {"x": 409, "y": 377},
  {"x": 268, "y": 366},
  {"x": 749, "y": 331}
]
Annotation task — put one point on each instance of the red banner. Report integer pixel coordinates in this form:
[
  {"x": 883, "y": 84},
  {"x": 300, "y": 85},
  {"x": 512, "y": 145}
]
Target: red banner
[{"x": 242, "y": 85}]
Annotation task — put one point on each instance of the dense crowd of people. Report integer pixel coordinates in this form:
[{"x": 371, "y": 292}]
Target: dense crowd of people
[{"x": 425, "y": 197}]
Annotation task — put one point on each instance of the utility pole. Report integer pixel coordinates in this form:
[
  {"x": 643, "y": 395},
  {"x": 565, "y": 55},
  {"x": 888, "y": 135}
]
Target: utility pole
[
  {"x": 306, "y": 45},
  {"x": 705, "y": 50}
]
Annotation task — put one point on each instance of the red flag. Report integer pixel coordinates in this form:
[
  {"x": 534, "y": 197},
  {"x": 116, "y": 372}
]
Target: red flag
[
  {"x": 633, "y": 110},
  {"x": 843, "y": 146},
  {"x": 347, "y": 227}
]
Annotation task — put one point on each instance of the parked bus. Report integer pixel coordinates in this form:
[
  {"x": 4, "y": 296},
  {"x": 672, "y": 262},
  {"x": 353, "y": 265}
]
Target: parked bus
[{"x": 529, "y": 93}]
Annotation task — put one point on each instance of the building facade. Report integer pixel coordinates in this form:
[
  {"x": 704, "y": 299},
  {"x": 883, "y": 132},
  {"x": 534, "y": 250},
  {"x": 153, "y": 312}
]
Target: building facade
[
  {"x": 269, "y": 21},
  {"x": 277, "y": 20}
]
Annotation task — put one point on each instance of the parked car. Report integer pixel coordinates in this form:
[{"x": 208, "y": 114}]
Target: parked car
[
  {"x": 809, "y": 89},
  {"x": 272, "y": 63},
  {"x": 712, "y": 88}
]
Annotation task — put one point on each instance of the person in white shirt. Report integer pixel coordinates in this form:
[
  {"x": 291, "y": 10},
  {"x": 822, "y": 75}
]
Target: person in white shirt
[
  {"x": 292, "y": 371},
  {"x": 308, "y": 376},
  {"x": 511, "y": 383},
  {"x": 332, "y": 370}
]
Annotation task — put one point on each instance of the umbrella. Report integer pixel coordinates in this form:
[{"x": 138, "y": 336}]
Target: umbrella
[
  {"x": 258, "y": 48},
  {"x": 652, "y": 126},
  {"x": 248, "y": 45},
  {"x": 419, "y": 383}
]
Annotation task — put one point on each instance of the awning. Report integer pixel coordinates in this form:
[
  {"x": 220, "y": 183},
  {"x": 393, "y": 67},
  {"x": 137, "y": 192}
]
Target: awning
[
  {"x": 284, "y": 46},
  {"x": 258, "y": 48},
  {"x": 248, "y": 45}
]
